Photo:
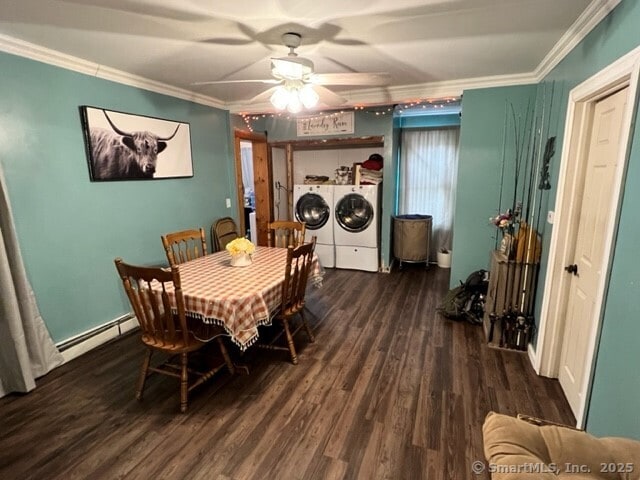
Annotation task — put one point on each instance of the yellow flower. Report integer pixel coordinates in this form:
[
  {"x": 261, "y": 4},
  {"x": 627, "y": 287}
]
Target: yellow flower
[{"x": 240, "y": 245}]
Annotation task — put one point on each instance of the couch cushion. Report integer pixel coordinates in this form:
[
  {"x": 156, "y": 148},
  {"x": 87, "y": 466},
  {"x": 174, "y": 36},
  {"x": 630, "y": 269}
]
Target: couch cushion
[{"x": 516, "y": 449}]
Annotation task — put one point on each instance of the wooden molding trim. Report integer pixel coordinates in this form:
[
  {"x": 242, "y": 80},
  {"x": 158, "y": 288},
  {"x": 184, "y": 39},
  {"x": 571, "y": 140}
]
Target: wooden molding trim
[{"x": 355, "y": 142}]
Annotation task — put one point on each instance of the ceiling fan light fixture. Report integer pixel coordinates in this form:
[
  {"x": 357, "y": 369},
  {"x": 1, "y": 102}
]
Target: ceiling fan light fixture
[
  {"x": 308, "y": 96},
  {"x": 294, "y": 105},
  {"x": 280, "y": 98},
  {"x": 293, "y": 95}
]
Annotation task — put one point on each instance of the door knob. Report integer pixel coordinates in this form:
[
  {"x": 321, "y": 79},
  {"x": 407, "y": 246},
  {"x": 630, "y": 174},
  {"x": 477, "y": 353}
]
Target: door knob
[{"x": 572, "y": 269}]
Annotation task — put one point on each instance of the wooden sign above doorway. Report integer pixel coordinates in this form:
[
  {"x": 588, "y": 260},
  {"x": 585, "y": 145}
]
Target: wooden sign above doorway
[{"x": 332, "y": 124}]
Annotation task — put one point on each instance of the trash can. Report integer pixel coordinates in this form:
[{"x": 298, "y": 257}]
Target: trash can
[{"x": 412, "y": 238}]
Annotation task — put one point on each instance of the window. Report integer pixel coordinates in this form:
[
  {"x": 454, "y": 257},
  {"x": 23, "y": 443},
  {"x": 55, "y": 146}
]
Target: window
[{"x": 428, "y": 172}]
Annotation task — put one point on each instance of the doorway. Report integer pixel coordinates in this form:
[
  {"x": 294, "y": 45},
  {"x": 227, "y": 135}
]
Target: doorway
[
  {"x": 600, "y": 113},
  {"x": 248, "y": 191},
  {"x": 253, "y": 178}
]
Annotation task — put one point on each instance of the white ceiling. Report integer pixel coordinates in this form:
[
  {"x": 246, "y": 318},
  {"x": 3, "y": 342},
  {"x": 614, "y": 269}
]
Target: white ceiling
[{"x": 429, "y": 47}]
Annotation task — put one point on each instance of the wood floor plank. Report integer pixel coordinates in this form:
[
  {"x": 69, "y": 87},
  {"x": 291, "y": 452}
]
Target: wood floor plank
[{"x": 390, "y": 389}]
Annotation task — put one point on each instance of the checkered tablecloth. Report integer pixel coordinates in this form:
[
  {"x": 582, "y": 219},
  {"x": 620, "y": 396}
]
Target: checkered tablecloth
[{"x": 238, "y": 298}]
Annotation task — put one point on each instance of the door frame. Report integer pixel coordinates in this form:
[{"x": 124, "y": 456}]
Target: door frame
[
  {"x": 262, "y": 181},
  {"x": 582, "y": 99}
]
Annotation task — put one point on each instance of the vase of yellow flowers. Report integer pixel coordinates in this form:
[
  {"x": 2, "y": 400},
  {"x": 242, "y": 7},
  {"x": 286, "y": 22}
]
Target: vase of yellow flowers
[{"x": 240, "y": 250}]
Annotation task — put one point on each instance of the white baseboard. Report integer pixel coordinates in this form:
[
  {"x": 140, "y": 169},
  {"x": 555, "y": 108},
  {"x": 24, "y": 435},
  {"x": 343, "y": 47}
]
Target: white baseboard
[
  {"x": 533, "y": 358},
  {"x": 116, "y": 328}
]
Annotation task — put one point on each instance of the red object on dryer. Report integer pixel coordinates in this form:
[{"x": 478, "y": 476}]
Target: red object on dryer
[{"x": 375, "y": 162}]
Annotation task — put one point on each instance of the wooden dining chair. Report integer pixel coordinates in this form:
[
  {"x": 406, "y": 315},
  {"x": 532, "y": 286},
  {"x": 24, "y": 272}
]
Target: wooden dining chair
[
  {"x": 185, "y": 245},
  {"x": 223, "y": 231},
  {"x": 164, "y": 329},
  {"x": 297, "y": 269},
  {"x": 283, "y": 233}
]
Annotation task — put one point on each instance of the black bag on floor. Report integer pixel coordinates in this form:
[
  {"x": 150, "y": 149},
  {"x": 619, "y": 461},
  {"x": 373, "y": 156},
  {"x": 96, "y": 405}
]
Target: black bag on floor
[{"x": 466, "y": 301}]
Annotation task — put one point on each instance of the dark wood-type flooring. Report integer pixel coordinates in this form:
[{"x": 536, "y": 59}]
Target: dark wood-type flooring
[{"x": 389, "y": 390}]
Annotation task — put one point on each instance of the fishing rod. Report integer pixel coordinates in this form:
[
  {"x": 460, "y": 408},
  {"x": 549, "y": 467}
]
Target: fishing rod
[
  {"x": 531, "y": 263},
  {"x": 528, "y": 256},
  {"x": 536, "y": 127},
  {"x": 492, "y": 315},
  {"x": 549, "y": 151},
  {"x": 507, "y": 311},
  {"x": 526, "y": 193},
  {"x": 504, "y": 143},
  {"x": 505, "y": 287}
]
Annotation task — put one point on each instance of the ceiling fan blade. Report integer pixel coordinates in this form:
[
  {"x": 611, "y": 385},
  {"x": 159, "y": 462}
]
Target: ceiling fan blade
[
  {"x": 292, "y": 68},
  {"x": 228, "y": 41},
  {"x": 269, "y": 81},
  {"x": 328, "y": 97},
  {"x": 264, "y": 96},
  {"x": 373, "y": 79}
]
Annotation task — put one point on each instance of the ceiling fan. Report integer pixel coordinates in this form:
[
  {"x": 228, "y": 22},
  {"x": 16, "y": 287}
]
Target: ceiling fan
[{"x": 297, "y": 85}]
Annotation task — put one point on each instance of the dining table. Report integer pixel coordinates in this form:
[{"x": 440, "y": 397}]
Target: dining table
[{"x": 238, "y": 298}]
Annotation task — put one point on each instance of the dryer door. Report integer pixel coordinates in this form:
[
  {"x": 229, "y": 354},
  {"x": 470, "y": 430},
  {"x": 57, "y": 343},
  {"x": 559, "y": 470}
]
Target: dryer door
[
  {"x": 313, "y": 210},
  {"x": 354, "y": 213}
]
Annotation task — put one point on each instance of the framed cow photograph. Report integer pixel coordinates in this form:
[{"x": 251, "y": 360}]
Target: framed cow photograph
[{"x": 124, "y": 146}]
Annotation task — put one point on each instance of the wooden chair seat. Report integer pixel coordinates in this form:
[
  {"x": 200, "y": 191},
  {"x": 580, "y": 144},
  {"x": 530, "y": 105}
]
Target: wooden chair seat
[
  {"x": 175, "y": 346},
  {"x": 165, "y": 329}
]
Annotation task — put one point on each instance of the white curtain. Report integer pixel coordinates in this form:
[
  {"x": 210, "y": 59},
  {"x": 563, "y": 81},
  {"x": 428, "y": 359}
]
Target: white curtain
[
  {"x": 26, "y": 348},
  {"x": 428, "y": 171},
  {"x": 246, "y": 157}
]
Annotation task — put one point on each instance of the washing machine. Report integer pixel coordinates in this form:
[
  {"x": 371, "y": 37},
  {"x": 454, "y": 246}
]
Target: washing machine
[
  {"x": 356, "y": 226},
  {"x": 313, "y": 205}
]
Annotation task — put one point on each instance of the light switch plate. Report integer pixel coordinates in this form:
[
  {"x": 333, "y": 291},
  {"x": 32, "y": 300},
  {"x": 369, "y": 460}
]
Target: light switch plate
[
  {"x": 550, "y": 215},
  {"x": 228, "y": 202}
]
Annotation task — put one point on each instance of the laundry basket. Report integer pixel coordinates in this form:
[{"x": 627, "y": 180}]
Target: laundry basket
[{"x": 411, "y": 238}]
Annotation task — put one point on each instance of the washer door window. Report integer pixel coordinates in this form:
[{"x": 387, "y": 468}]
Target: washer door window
[
  {"x": 354, "y": 213},
  {"x": 313, "y": 210}
]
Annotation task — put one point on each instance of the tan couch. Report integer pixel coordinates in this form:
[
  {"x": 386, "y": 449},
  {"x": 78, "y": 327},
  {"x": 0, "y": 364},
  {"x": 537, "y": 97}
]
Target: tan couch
[{"x": 518, "y": 449}]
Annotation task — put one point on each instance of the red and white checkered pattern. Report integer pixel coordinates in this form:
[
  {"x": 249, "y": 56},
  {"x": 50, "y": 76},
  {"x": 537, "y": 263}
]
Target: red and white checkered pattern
[{"x": 238, "y": 298}]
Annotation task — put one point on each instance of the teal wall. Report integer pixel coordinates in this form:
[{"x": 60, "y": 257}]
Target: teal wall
[
  {"x": 366, "y": 124},
  {"x": 482, "y": 134},
  {"x": 71, "y": 229},
  {"x": 615, "y": 394}
]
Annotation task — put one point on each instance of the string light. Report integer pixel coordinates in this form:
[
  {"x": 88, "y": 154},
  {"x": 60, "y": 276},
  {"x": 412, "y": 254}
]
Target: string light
[{"x": 379, "y": 110}]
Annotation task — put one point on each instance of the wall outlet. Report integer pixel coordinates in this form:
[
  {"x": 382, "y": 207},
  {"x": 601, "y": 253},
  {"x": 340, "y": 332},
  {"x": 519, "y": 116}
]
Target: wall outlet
[
  {"x": 550, "y": 215},
  {"x": 228, "y": 202}
]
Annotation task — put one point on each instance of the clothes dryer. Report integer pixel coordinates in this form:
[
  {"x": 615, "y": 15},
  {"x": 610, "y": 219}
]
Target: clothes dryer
[
  {"x": 313, "y": 204},
  {"x": 357, "y": 226}
]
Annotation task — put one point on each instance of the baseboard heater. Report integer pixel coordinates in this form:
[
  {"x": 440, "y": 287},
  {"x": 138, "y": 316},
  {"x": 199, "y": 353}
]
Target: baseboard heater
[{"x": 83, "y": 342}]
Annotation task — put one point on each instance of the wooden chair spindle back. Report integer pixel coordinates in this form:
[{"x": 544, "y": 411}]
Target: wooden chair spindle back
[
  {"x": 183, "y": 246},
  {"x": 299, "y": 260},
  {"x": 285, "y": 233},
  {"x": 154, "y": 313}
]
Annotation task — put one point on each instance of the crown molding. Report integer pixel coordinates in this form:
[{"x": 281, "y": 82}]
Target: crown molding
[
  {"x": 405, "y": 93},
  {"x": 454, "y": 88},
  {"x": 587, "y": 21},
  {"x": 58, "y": 59},
  {"x": 592, "y": 16}
]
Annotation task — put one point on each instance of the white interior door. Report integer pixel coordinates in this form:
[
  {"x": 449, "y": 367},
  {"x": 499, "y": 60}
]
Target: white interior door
[{"x": 589, "y": 258}]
